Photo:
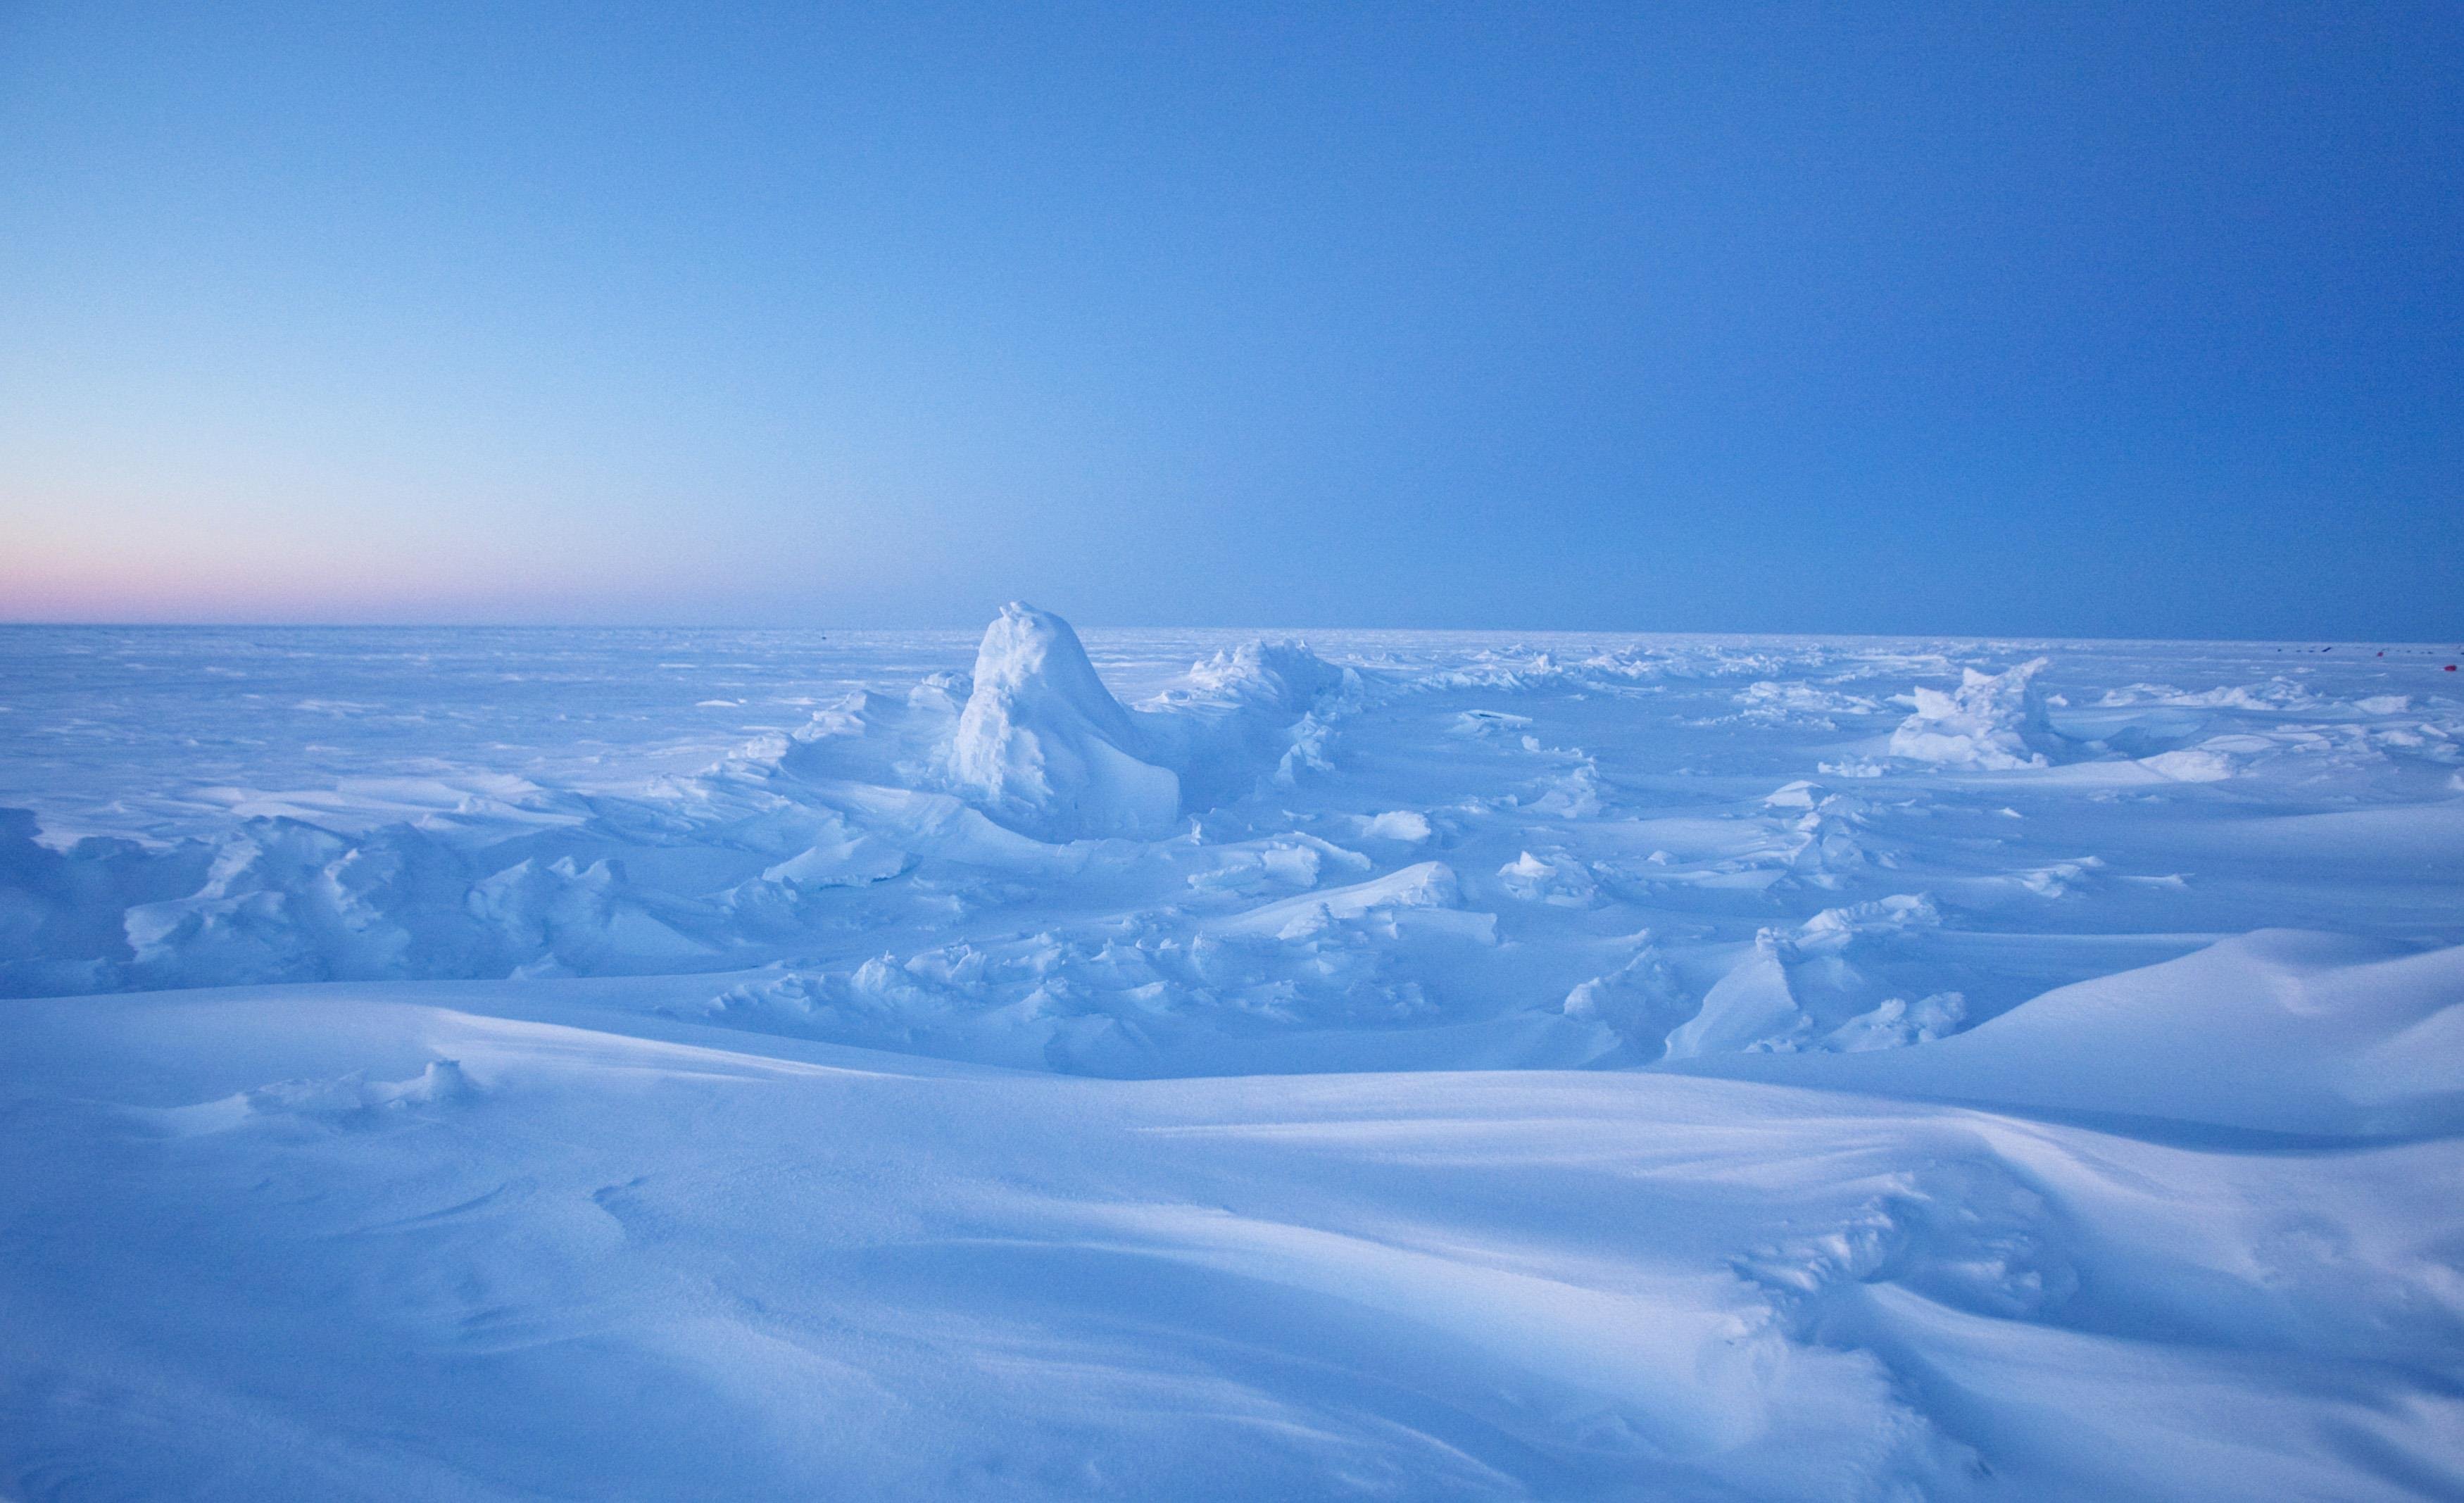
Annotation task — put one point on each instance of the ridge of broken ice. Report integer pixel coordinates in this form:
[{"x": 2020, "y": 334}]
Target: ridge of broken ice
[
  {"x": 1991, "y": 721},
  {"x": 1159, "y": 826},
  {"x": 1044, "y": 746}
]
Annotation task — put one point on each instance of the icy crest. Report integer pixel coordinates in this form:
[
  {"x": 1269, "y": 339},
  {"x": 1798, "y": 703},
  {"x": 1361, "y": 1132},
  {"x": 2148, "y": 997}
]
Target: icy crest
[
  {"x": 1795, "y": 990},
  {"x": 1274, "y": 676},
  {"x": 1991, "y": 723},
  {"x": 1045, "y": 747}
]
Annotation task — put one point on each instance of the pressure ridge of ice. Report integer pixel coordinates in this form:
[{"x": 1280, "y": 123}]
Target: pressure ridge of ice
[
  {"x": 1199, "y": 1065},
  {"x": 1044, "y": 746}
]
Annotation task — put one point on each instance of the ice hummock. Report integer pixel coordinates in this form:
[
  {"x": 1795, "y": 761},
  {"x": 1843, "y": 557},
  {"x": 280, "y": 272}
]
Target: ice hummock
[
  {"x": 1044, "y": 746},
  {"x": 1991, "y": 723}
]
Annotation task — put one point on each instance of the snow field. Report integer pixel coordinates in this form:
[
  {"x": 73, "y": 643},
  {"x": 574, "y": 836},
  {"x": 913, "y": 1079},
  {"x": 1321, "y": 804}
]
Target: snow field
[{"x": 506, "y": 1066}]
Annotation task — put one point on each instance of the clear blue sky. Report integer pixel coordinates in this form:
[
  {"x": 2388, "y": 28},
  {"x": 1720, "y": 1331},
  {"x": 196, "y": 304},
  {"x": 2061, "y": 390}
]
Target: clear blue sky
[{"x": 2136, "y": 318}]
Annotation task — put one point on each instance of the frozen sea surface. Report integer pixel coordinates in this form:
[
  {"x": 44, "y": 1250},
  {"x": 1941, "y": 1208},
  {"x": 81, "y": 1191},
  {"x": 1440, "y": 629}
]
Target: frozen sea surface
[{"x": 467, "y": 1064}]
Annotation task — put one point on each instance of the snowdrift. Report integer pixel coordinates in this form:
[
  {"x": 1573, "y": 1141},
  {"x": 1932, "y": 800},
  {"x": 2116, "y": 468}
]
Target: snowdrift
[
  {"x": 385, "y": 1245},
  {"x": 2278, "y": 1030}
]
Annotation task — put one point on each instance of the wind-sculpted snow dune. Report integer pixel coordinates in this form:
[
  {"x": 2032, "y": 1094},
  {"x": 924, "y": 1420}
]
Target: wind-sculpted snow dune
[{"x": 1205, "y": 1065}]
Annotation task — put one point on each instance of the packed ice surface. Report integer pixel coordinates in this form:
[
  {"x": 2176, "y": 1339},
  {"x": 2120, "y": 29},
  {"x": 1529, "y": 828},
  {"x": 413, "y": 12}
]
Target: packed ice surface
[{"x": 564, "y": 1064}]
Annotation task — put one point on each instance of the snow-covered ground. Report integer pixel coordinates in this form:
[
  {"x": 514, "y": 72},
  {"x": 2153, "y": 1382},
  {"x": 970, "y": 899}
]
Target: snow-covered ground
[{"x": 577, "y": 1063}]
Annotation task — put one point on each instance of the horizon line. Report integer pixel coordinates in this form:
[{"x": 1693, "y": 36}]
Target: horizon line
[{"x": 2323, "y": 643}]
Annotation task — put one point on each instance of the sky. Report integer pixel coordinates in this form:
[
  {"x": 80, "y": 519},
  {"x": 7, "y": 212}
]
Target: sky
[{"x": 2132, "y": 320}]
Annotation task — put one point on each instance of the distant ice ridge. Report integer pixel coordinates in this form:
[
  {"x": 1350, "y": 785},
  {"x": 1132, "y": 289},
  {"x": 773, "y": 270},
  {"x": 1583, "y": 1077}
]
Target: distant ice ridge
[
  {"x": 2004, "y": 722},
  {"x": 1206, "y": 854},
  {"x": 969, "y": 780},
  {"x": 1044, "y": 748},
  {"x": 1991, "y": 723},
  {"x": 2144, "y": 733}
]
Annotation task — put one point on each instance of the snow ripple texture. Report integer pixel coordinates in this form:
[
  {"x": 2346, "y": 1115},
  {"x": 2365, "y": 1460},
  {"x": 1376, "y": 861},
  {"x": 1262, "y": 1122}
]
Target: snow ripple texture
[{"x": 478, "y": 1064}]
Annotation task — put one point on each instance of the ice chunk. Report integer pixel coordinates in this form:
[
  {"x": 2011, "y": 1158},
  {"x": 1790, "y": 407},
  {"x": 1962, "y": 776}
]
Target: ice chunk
[
  {"x": 1260, "y": 709},
  {"x": 1486, "y": 723},
  {"x": 840, "y": 858},
  {"x": 1559, "y": 880},
  {"x": 1404, "y": 825},
  {"x": 1641, "y": 1001},
  {"x": 1428, "y": 885},
  {"x": 1749, "y": 1005},
  {"x": 1991, "y": 723},
  {"x": 1833, "y": 929},
  {"x": 1045, "y": 747},
  {"x": 1899, "y": 1021},
  {"x": 1284, "y": 677},
  {"x": 2191, "y": 764},
  {"x": 1797, "y": 795}
]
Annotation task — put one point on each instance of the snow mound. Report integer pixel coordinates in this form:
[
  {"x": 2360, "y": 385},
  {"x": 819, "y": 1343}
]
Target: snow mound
[
  {"x": 1427, "y": 885},
  {"x": 1261, "y": 705},
  {"x": 1283, "y": 676},
  {"x": 1045, "y": 747},
  {"x": 2191, "y": 764},
  {"x": 2279, "y": 1030},
  {"x": 1408, "y": 826},
  {"x": 1554, "y": 878},
  {"x": 1991, "y": 723},
  {"x": 1641, "y": 1001},
  {"x": 1795, "y": 990}
]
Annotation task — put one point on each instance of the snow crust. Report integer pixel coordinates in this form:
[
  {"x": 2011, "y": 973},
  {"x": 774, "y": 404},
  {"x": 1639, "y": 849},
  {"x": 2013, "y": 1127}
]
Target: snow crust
[{"x": 1199, "y": 1065}]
